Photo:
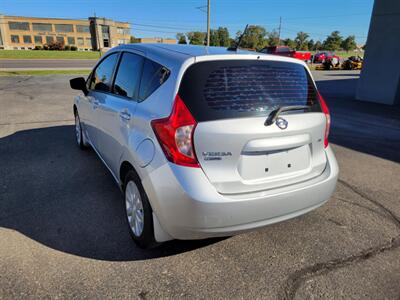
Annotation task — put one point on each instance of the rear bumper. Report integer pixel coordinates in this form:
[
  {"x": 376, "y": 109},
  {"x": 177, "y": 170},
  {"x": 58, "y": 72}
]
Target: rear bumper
[{"x": 189, "y": 207}]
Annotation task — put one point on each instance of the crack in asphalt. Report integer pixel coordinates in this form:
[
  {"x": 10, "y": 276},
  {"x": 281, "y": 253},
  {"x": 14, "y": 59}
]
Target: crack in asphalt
[
  {"x": 296, "y": 278},
  {"x": 351, "y": 203}
]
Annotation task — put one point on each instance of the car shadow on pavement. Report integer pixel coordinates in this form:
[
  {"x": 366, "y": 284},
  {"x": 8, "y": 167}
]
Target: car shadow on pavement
[
  {"x": 366, "y": 127},
  {"x": 65, "y": 198}
]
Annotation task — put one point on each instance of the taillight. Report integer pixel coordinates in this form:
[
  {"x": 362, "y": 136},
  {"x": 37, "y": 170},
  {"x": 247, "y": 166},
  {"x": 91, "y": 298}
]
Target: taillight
[
  {"x": 325, "y": 110},
  {"x": 175, "y": 135}
]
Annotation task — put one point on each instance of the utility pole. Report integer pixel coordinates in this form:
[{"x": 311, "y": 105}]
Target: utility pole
[
  {"x": 279, "y": 31},
  {"x": 208, "y": 23}
]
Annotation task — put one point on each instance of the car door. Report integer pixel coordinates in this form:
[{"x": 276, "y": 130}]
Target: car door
[
  {"x": 99, "y": 87},
  {"x": 118, "y": 108}
]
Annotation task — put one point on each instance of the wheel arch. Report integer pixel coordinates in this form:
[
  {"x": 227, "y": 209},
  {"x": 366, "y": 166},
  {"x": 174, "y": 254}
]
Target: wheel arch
[
  {"x": 159, "y": 233},
  {"x": 125, "y": 167}
]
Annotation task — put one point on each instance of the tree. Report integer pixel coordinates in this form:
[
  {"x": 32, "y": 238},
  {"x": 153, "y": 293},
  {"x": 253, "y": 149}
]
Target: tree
[
  {"x": 254, "y": 37},
  {"x": 301, "y": 41},
  {"x": 317, "y": 46},
  {"x": 310, "y": 45},
  {"x": 196, "y": 37},
  {"x": 290, "y": 43},
  {"x": 333, "y": 41},
  {"x": 214, "y": 40},
  {"x": 273, "y": 38},
  {"x": 181, "y": 38},
  {"x": 133, "y": 40},
  {"x": 349, "y": 43},
  {"x": 223, "y": 36},
  {"x": 219, "y": 37}
]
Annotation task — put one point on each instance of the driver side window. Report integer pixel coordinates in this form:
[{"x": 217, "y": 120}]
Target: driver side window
[{"x": 101, "y": 79}]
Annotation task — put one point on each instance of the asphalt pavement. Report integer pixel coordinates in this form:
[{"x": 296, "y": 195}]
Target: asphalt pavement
[{"x": 63, "y": 233}]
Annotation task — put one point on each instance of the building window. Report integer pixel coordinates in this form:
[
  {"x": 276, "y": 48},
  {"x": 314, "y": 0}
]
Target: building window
[
  {"x": 60, "y": 39},
  {"x": 71, "y": 40},
  {"x": 80, "y": 41},
  {"x": 42, "y": 27},
  {"x": 64, "y": 27},
  {"x": 82, "y": 28},
  {"x": 27, "y": 39},
  {"x": 120, "y": 30},
  {"x": 49, "y": 39},
  {"x": 105, "y": 31},
  {"x": 38, "y": 39},
  {"x": 89, "y": 42},
  {"x": 18, "y": 25},
  {"x": 15, "y": 39},
  {"x": 127, "y": 31}
]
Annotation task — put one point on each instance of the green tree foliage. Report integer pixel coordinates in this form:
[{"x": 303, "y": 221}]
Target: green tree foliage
[
  {"x": 255, "y": 37},
  {"x": 317, "y": 46},
  {"x": 310, "y": 45},
  {"x": 273, "y": 38},
  {"x": 290, "y": 43},
  {"x": 349, "y": 43},
  {"x": 220, "y": 37},
  {"x": 181, "y": 38},
  {"x": 333, "y": 41},
  {"x": 301, "y": 41},
  {"x": 196, "y": 37}
]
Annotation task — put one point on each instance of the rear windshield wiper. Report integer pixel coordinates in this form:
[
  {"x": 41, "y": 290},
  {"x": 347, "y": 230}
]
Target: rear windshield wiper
[{"x": 275, "y": 114}]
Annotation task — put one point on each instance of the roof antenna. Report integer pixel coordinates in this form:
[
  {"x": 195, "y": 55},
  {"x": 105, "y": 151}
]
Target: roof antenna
[{"x": 235, "y": 48}]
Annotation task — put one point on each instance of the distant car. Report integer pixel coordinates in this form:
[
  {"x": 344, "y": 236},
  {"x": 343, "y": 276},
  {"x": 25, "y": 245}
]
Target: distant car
[
  {"x": 321, "y": 57},
  {"x": 204, "y": 141},
  {"x": 286, "y": 51}
]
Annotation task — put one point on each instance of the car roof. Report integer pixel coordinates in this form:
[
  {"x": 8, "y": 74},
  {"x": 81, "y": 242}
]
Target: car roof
[
  {"x": 188, "y": 50},
  {"x": 176, "y": 54}
]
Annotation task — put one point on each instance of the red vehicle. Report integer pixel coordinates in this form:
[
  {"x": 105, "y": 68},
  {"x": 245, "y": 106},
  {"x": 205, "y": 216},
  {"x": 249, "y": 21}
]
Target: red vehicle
[
  {"x": 286, "y": 51},
  {"x": 321, "y": 57}
]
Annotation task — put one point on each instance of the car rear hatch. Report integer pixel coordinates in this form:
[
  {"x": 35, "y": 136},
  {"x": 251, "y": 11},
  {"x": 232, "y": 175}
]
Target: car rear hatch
[{"x": 231, "y": 100}]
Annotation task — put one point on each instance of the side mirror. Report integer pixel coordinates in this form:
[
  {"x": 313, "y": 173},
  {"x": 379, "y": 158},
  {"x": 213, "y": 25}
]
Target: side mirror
[{"x": 79, "y": 84}]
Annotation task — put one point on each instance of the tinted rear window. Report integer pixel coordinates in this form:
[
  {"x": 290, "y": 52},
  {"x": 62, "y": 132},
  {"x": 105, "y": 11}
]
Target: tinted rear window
[{"x": 224, "y": 89}]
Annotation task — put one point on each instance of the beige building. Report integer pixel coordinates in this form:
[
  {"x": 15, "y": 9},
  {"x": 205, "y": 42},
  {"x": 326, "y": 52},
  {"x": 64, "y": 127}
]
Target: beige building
[
  {"x": 155, "y": 40},
  {"x": 27, "y": 32}
]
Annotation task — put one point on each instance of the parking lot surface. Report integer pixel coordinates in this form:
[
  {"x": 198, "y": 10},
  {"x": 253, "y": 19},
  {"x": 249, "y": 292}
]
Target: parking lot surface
[{"x": 63, "y": 233}]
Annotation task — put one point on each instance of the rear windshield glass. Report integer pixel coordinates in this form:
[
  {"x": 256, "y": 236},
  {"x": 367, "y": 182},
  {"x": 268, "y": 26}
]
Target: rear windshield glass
[{"x": 224, "y": 89}]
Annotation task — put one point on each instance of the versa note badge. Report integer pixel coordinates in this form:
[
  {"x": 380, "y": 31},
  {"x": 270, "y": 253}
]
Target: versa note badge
[
  {"x": 215, "y": 155},
  {"x": 281, "y": 123}
]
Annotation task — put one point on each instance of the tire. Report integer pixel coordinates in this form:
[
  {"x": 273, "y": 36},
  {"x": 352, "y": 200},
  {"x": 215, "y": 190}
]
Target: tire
[
  {"x": 79, "y": 136},
  {"x": 139, "y": 215}
]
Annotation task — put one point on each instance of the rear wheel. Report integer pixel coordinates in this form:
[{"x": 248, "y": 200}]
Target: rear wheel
[
  {"x": 138, "y": 212},
  {"x": 79, "y": 136}
]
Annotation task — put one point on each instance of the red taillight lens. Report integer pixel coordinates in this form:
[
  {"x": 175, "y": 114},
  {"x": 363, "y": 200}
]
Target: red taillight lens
[
  {"x": 175, "y": 135},
  {"x": 328, "y": 119}
]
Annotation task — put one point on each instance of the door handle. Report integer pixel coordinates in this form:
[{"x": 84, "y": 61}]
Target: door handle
[{"x": 125, "y": 115}]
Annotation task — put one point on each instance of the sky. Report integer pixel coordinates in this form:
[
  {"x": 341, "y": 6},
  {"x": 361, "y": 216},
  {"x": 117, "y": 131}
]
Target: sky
[{"x": 164, "y": 18}]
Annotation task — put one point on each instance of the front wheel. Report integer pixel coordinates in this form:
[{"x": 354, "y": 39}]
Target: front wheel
[{"x": 138, "y": 212}]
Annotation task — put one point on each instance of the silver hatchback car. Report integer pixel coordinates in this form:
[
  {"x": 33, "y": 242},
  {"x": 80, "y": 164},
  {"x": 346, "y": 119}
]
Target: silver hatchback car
[{"x": 206, "y": 141}]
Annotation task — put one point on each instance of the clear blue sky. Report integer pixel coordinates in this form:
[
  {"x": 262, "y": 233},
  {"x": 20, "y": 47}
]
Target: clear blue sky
[{"x": 163, "y": 18}]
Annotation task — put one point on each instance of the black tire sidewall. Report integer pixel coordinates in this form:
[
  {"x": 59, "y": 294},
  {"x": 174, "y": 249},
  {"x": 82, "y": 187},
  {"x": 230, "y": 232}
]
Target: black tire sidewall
[
  {"x": 81, "y": 144},
  {"x": 146, "y": 239}
]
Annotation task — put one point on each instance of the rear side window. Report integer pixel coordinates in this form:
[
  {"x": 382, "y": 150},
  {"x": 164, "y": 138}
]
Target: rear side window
[
  {"x": 224, "y": 89},
  {"x": 101, "y": 79},
  {"x": 128, "y": 75},
  {"x": 154, "y": 75}
]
